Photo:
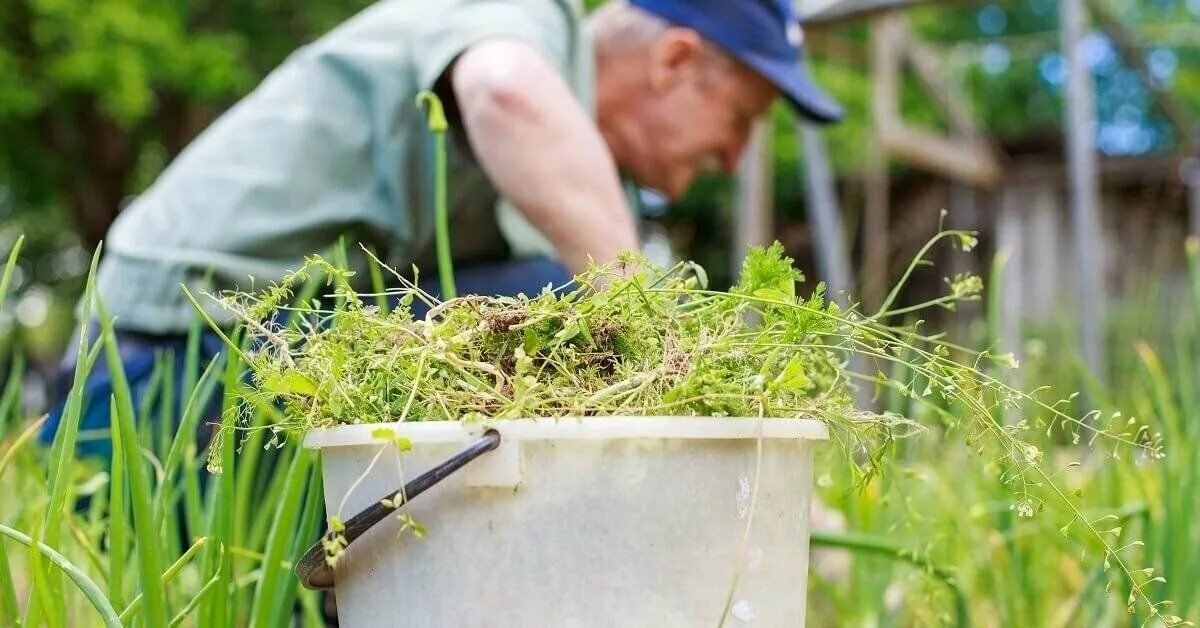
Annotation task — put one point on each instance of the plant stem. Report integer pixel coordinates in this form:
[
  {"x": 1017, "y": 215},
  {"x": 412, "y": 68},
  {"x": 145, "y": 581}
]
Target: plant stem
[
  {"x": 438, "y": 126},
  {"x": 868, "y": 544},
  {"x": 86, "y": 585}
]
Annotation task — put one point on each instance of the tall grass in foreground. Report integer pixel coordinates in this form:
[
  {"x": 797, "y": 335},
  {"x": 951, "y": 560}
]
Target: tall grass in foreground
[
  {"x": 949, "y": 513},
  {"x": 153, "y": 539}
]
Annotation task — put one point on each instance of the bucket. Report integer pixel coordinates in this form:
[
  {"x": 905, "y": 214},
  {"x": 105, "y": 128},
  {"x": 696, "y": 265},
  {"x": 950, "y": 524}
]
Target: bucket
[{"x": 601, "y": 521}]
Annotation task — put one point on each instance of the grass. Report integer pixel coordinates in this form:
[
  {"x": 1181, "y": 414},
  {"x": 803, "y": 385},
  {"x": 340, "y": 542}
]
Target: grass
[
  {"x": 1015, "y": 571},
  {"x": 142, "y": 542}
]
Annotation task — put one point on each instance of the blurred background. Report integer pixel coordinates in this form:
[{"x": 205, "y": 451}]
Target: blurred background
[{"x": 1064, "y": 132}]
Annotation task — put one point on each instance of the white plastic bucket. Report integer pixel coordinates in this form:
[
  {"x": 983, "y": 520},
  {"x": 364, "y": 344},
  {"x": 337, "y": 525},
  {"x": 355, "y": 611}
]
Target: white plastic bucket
[{"x": 604, "y": 521}]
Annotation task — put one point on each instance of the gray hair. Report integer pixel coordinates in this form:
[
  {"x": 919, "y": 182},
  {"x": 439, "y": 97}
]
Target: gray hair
[{"x": 618, "y": 26}]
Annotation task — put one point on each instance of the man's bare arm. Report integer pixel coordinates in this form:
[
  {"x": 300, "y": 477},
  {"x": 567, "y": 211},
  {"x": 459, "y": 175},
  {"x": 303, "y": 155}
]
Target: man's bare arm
[{"x": 542, "y": 151}]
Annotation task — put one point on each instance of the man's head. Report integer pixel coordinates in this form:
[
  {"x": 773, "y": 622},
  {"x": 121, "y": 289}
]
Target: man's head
[{"x": 670, "y": 103}]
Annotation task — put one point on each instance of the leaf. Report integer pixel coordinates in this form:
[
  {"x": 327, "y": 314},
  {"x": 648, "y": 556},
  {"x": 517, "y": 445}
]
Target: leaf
[
  {"x": 792, "y": 377},
  {"x": 531, "y": 342},
  {"x": 568, "y": 332},
  {"x": 290, "y": 383},
  {"x": 768, "y": 269}
]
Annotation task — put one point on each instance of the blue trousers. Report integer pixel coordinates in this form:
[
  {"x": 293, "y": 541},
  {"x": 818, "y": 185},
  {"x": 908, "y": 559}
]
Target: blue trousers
[{"x": 138, "y": 350}]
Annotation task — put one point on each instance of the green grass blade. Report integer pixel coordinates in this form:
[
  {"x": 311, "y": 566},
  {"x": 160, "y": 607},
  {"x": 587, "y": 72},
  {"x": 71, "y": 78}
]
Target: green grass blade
[
  {"x": 310, "y": 606},
  {"x": 311, "y": 526},
  {"x": 63, "y": 453},
  {"x": 192, "y": 501},
  {"x": 185, "y": 435},
  {"x": 9, "y": 267},
  {"x": 191, "y": 358},
  {"x": 145, "y": 406},
  {"x": 118, "y": 526},
  {"x": 215, "y": 611},
  {"x": 140, "y": 492},
  {"x": 10, "y": 399},
  {"x": 271, "y": 594},
  {"x": 86, "y": 585},
  {"x": 878, "y": 546},
  {"x": 244, "y": 487},
  {"x": 42, "y": 606},
  {"x": 231, "y": 344},
  {"x": 10, "y": 611},
  {"x": 377, "y": 286},
  {"x": 168, "y": 410},
  {"x": 200, "y": 595},
  {"x": 89, "y": 544},
  {"x": 269, "y": 494},
  {"x": 136, "y": 604},
  {"x": 18, "y": 445},
  {"x": 312, "y": 521}
]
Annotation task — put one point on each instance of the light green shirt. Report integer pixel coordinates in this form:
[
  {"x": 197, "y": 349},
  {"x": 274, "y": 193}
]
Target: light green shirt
[{"x": 331, "y": 143}]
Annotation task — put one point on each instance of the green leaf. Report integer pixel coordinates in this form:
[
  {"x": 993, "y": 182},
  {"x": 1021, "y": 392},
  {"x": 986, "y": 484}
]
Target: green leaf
[
  {"x": 290, "y": 383},
  {"x": 792, "y": 377},
  {"x": 532, "y": 342}
]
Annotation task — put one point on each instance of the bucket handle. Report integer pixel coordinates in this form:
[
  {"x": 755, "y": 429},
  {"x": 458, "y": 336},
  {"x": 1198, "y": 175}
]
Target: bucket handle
[{"x": 315, "y": 571}]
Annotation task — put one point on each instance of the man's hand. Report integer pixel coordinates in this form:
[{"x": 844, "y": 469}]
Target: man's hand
[{"x": 542, "y": 151}]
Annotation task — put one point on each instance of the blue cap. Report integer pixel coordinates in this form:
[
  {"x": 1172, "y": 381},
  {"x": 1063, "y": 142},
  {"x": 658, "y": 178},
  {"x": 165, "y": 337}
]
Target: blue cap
[{"x": 764, "y": 35}]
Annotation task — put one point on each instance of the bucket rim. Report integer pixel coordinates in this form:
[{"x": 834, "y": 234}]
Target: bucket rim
[{"x": 574, "y": 428}]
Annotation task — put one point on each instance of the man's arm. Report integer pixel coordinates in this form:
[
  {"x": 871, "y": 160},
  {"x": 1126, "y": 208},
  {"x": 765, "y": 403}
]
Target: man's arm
[{"x": 542, "y": 151}]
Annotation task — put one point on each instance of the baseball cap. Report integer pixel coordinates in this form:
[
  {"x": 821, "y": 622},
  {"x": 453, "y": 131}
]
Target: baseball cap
[{"x": 765, "y": 35}]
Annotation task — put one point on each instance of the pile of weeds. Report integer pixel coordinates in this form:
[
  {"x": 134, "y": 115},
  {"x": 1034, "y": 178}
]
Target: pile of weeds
[{"x": 625, "y": 339}]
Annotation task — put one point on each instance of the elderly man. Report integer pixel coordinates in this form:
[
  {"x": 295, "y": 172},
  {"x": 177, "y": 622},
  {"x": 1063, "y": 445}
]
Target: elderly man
[{"x": 547, "y": 118}]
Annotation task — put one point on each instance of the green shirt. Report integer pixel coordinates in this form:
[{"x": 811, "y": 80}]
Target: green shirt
[{"x": 331, "y": 144}]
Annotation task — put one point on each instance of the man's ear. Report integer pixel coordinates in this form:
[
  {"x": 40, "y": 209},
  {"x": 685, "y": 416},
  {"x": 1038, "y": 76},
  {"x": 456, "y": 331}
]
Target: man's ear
[{"x": 674, "y": 58}]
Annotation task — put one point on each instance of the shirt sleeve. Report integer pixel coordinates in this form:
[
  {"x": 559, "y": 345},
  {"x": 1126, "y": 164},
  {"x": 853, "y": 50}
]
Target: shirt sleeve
[{"x": 544, "y": 24}]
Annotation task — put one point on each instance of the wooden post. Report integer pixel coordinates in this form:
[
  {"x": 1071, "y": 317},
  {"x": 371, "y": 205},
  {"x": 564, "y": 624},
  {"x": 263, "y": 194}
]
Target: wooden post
[
  {"x": 829, "y": 236},
  {"x": 753, "y": 212},
  {"x": 1010, "y": 262},
  {"x": 887, "y": 36},
  {"x": 1189, "y": 171},
  {"x": 1084, "y": 189},
  {"x": 964, "y": 214},
  {"x": 1010, "y": 251},
  {"x": 1042, "y": 281}
]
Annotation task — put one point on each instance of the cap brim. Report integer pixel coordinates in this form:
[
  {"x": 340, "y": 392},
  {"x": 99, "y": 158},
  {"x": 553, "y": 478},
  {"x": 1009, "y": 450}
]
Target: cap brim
[{"x": 794, "y": 84}]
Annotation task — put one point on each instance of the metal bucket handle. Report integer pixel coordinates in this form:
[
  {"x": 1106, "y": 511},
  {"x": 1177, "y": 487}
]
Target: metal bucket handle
[{"x": 314, "y": 570}]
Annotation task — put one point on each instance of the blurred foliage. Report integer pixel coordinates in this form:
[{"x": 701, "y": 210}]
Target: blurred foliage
[{"x": 96, "y": 97}]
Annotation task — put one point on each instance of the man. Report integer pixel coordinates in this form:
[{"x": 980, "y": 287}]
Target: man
[{"x": 544, "y": 114}]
